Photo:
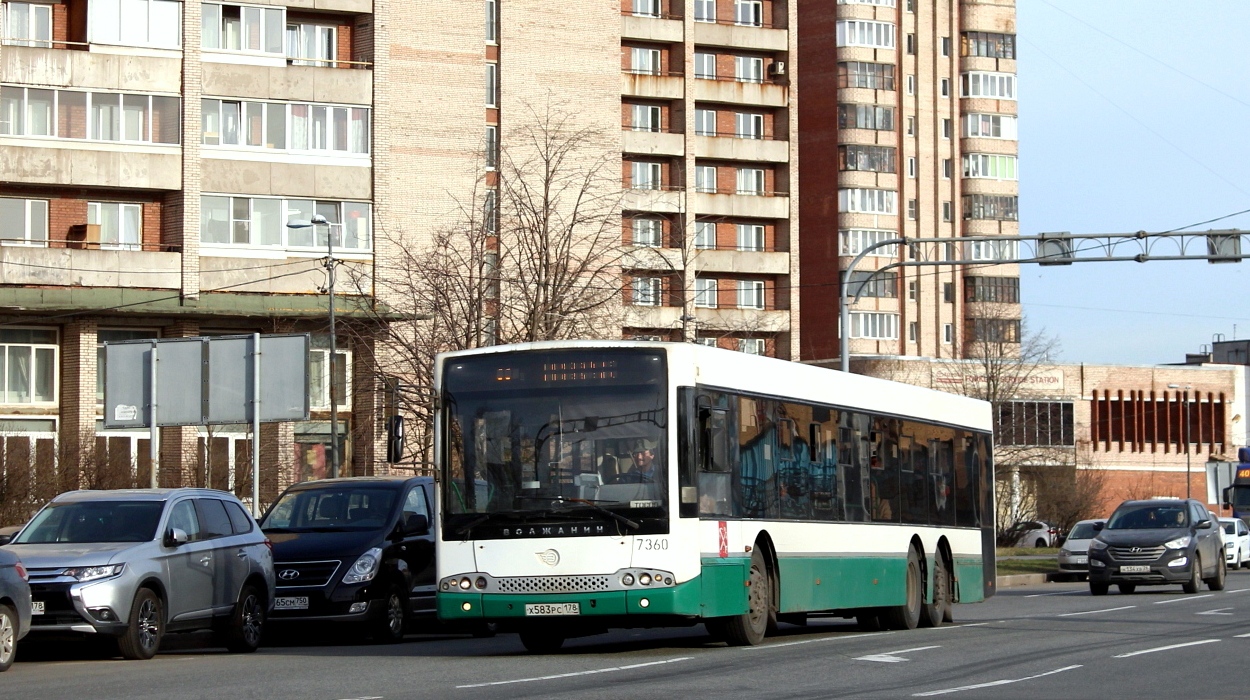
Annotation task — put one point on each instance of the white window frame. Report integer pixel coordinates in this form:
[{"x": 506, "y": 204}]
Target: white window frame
[
  {"x": 750, "y": 294},
  {"x": 948, "y": 333},
  {"x": 749, "y": 13},
  {"x": 878, "y": 3},
  {"x": 707, "y": 342},
  {"x": 32, "y": 210},
  {"x": 319, "y": 382},
  {"x": 38, "y": 354},
  {"x": 648, "y": 232},
  {"x": 706, "y": 292},
  {"x": 704, "y": 65},
  {"x": 646, "y": 175},
  {"x": 35, "y": 29},
  {"x": 913, "y": 331},
  {"x": 647, "y": 291},
  {"x": 865, "y": 33},
  {"x": 750, "y": 237},
  {"x": 267, "y": 15},
  {"x": 911, "y": 85},
  {"x": 855, "y": 240},
  {"x": 748, "y": 125},
  {"x": 705, "y": 235},
  {"x": 705, "y": 11},
  {"x": 751, "y": 346},
  {"x": 492, "y": 21},
  {"x": 874, "y": 325},
  {"x": 146, "y": 23},
  {"x": 645, "y": 61},
  {"x": 95, "y": 216},
  {"x": 17, "y": 114},
  {"x": 705, "y": 179},
  {"x": 357, "y": 125},
  {"x": 868, "y": 201},
  {"x": 944, "y": 87},
  {"x": 990, "y": 126},
  {"x": 316, "y": 234},
  {"x": 748, "y": 69},
  {"x": 988, "y": 84},
  {"x": 948, "y": 211},
  {"x": 750, "y": 182},
  {"x": 323, "y": 43},
  {"x": 993, "y": 250},
  {"x": 991, "y": 166},
  {"x": 911, "y": 166},
  {"x": 646, "y": 8},
  {"x": 492, "y": 84},
  {"x": 705, "y": 122},
  {"x": 645, "y": 118},
  {"x": 948, "y": 168}
]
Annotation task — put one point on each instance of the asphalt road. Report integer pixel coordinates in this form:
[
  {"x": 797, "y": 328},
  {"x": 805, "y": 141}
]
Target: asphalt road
[{"x": 1045, "y": 641}]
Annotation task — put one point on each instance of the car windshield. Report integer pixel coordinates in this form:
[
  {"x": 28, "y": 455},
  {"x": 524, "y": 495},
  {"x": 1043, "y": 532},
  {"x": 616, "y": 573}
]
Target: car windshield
[
  {"x": 331, "y": 508},
  {"x": 1149, "y": 517},
  {"x": 94, "y": 521},
  {"x": 1082, "y": 531}
]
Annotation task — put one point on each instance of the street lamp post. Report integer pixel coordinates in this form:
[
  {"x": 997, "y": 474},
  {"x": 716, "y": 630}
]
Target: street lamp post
[
  {"x": 1185, "y": 432},
  {"x": 330, "y": 265}
]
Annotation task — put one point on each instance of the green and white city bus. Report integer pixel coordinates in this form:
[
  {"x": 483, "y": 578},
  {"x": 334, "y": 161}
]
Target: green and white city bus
[{"x": 588, "y": 485}]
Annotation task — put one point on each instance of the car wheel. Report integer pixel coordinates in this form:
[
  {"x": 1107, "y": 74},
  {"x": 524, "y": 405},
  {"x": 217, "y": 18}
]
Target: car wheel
[
  {"x": 1127, "y": 588},
  {"x": 1216, "y": 582},
  {"x": 389, "y": 629},
  {"x": 8, "y": 637},
  {"x": 1098, "y": 588},
  {"x": 147, "y": 626},
  {"x": 1040, "y": 543},
  {"x": 247, "y": 622},
  {"x": 1195, "y": 577}
]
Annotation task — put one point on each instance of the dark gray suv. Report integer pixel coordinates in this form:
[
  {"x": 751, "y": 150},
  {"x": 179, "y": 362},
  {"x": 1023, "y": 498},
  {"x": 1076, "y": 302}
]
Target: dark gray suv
[{"x": 1157, "y": 542}]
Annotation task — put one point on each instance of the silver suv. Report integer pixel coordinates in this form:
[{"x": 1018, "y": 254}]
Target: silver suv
[{"x": 135, "y": 564}]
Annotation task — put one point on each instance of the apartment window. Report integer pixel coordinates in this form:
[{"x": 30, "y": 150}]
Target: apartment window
[
  {"x": 748, "y": 125},
  {"x": 490, "y": 220},
  {"x": 328, "y": 129},
  {"x": 751, "y": 346},
  {"x": 310, "y": 44},
  {"x": 646, "y": 8},
  {"x": 106, "y": 335},
  {"x": 492, "y": 84},
  {"x": 992, "y": 207},
  {"x": 946, "y": 128},
  {"x": 912, "y": 287},
  {"x": 1001, "y": 86},
  {"x": 948, "y": 333},
  {"x": 993, "y": 250},
  {"x": 645, "y": 175},
  {"x": 705, "y": 122},
  {"x": 852, "y": 116},
  {"x": 944, "y": 87},
  {"x": 261, "y": 221},
  {"x": 913, "y": 209},
  {"x": 750, "y": 294},
  {"x": 647, "y": 291},
  {"x": 751, "y": 181},
  {"x": 23, "y": 221},
  {"x": 705, "y": 235},
  {"x": 948, "y": 292},
  {"x": 874, "y": 325},
  {"x": 857, "y": 74},
  {"x": 705, "y": 293},
  {"x": 28, "y": 366},
  {"x": 878, "y": 3},
  {"x": 877, "y": 159},
  {"x": 871, "y": 283},
  {"x": 947, "y": 168},
  {"x": 911, "y": 44},
  {"x": 706, "y": 342},
  {"x": 911, "y": 126},
  {"x": 751, "y": 237},
  {"x": 945, "y": 43},
  {"x": 649, "y": 232},
  {"x": 705, "y": 66},
  {"x": 243, "y": 28},
  {"x": 911, "y": 167},
  {"x": 492, "y": 21},
  {"x": 705, "y": 178},
  {"x": 705, "y": 10},
  {"x": 989, "y": 166},
  {"x": 857, "y": 32},
  {"x": 26, "y": 24},
  {"x": 911, "y": 5},
  {"x": 121, "y": 225},
  {"x": 865, "y": 201},
  {"x": 990, "y": 126},
  {"x": 319, "y": 378},
  {"x": 151, "y": 23},
  {"x": 911, "y": 85},
  {"x": 999, "y": 290},
  {"x": 988, "y": 44},
  {"x": 947, "y": 211},
  {"x": 646, "y": 118},
  {"x": 857, "y": 240},
  {"x": 99, "y": 116},
  {"x": 995, "y": 330},
  {"x": 748, "y": 69},
  {"x": 913, "y": 331},
  {"x": 749, "y": 13},
  {"x": 491, "y": 147},
  {"x": 644, "y": 61}
]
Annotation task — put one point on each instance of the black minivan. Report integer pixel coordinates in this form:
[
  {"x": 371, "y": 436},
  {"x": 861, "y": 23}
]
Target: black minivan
[{"x": 356, "y": 550}]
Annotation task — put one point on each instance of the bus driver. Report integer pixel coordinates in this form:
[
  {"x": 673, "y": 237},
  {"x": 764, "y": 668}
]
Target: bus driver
[{"x": 646, "y": 468}]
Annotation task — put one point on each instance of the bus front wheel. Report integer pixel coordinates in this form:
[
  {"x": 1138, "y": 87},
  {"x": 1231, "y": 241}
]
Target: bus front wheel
[
  {"x": 749, "y": 628},
  {"x": 907, "y": 615}
]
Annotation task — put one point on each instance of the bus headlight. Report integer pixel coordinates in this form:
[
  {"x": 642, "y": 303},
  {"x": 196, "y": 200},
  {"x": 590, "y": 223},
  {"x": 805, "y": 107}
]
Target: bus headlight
[
  {"x": 645, "y": 579},
  {"x": 628, "y": 579},
  {"x": 465, "y": 583}
]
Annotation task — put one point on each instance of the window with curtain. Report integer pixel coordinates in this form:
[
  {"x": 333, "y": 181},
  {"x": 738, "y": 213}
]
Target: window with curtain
[{"x": 28, "y": 366}]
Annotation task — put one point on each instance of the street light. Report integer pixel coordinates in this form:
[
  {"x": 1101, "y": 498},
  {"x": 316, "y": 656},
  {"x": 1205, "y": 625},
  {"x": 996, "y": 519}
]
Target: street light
[
  {"x": 1186, "y": 432},
  {"x": 319, "y": 220}
]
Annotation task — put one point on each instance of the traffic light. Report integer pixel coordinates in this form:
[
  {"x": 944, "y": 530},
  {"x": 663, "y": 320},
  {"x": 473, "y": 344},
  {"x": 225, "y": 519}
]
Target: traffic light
[{"x": 394, "y": 439}]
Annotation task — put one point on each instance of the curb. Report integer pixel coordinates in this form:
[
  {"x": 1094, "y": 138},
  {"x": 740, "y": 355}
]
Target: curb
[{"x": 1020, "y": 580}]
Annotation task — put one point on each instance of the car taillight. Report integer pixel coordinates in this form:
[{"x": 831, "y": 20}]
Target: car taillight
[
  {"x": 269, "y": 545},
  {"x": 21, "y": 571}
]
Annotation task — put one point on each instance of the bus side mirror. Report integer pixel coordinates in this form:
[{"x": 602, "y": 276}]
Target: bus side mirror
[{"x": 1228, "y": 502}]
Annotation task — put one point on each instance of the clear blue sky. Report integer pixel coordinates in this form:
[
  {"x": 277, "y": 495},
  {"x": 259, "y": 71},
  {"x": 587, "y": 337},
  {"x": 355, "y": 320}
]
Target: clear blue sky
[{"x": 1142, "y": 143}]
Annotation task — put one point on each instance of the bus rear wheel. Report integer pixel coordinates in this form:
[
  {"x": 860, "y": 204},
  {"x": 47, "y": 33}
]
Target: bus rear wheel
[
  {"x": 907, "y": 615},
  {"x": 749, "y": 628},
  {"x": 538, "y": 641},
  {"x": 939, "y": 610}
]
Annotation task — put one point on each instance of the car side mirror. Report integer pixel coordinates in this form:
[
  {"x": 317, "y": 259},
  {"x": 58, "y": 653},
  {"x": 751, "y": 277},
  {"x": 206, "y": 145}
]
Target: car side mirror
[
  {"x": 416, "y": 524},
  {"x": 5, "y": 539},
  {"x": 176, "y": 537},
  {"x": 1099, "y": 526},
  {"x": 1203, "y": 524}
]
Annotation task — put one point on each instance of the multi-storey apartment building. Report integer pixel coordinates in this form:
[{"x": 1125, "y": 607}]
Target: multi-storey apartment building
[{"x": 908, "y": 130}]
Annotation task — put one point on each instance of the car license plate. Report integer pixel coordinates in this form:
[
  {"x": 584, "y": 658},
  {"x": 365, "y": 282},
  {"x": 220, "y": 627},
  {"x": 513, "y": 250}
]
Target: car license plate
[
  {"x": 1134, "y": 569},
  {"x": 291, "y": 603},
  {"x": 1080, "y": 560},
  {"x": 36, "y": 607},
  {"x": 553, "y": 608}
]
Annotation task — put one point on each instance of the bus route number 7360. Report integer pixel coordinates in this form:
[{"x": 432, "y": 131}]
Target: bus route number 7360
[{"x": 652, "y": 543}]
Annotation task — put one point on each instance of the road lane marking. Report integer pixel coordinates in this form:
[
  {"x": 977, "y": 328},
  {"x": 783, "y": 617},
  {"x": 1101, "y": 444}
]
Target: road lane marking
[
  {"x": 1217, "y": 611},
  {"x": 810, "y": 641},
  {"x": 1166, "y": 648},
  {"x": 991, "y": 684},
  {"x": 1239, "y": 590},
  {"x": 1177, "y": 600},
  {"x": 591, "y": 672},
  {"x": 954, "y": 627},
  {"x": 1242, "y": 635},
  {"x": 1091, "y": 612},
  {"x": 1042, "y": 595},
  {"x": 891, "y": 657}
]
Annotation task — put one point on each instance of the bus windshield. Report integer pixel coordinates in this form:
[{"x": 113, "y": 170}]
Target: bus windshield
[
  {"x": 1240, "y": 497},
  {"x": 554, "y": 434}
]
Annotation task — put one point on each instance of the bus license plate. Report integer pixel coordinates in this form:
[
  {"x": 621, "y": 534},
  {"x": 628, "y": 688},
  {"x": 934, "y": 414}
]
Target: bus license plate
[
  {"x": 291, "y": 603},
  {"x": 36, "y": 607},
  {"x": 1135, "y": 569},
  {"x": 553, "y": 608}
]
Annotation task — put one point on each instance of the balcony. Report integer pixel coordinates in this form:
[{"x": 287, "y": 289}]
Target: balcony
[
  {"x": 742, "y": 262},
  {"x": 66, "y": 267},
  {"x": 657, "y": 29},
  {"x": 356, "y": 7},
  {"x": 24, "y": 65},
  {"x": 295, "y": 83},
  {"x": 774, "y": 206},
  {"x": 731, "y": 147},
  {"x": 740, "y": 36},
  {"x": 652, "y": 317},
  {"x": 225, "y": 174},
  {"x": 670, "y": 86},
  {"x": 652, "y": 143},
  {"x": 752, "y": 320},
  {"x": 70, "y": 162},
  {"x": 666, "y": 201},
  {"x": 728, "y": 89},
  {"x": 292, "y": 277}
]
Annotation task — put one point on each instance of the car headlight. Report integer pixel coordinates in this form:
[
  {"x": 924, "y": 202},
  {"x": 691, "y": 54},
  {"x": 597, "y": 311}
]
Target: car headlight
[
  {"x": 1097, "y": 544},
  {"x": 95, "y": 573},
  {"x": 1179, "y": 542},
  {"x": 365, "y": 568}
]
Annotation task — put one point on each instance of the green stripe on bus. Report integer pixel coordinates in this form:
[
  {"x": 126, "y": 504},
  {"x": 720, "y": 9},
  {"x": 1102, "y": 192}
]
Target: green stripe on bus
[
  {"x": 839, "y": 582},
  {"x": 969, "y": 573}
]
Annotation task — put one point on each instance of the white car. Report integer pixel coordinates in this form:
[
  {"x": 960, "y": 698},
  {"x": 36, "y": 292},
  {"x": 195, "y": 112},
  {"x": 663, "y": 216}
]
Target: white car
[
  {"x": 1236, "y": 542},
  {"x": 1033, "y": 533},
  {"x": 1074, "y": 554}
]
